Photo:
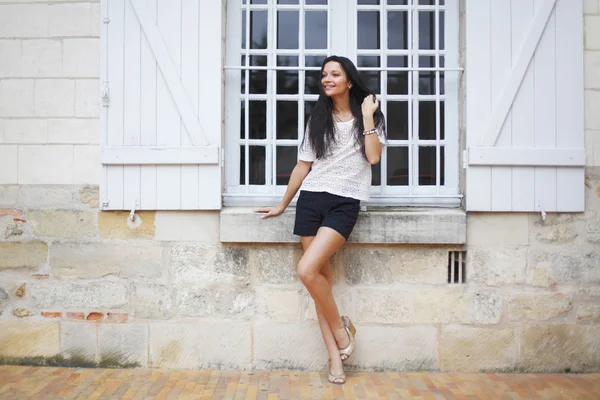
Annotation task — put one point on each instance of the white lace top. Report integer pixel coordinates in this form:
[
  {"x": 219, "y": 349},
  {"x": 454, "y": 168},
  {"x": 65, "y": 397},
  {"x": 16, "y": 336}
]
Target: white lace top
[{"x": 344, "y": 171}]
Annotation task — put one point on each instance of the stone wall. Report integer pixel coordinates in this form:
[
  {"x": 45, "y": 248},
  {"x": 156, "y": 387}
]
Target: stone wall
[{"x": 84, "y": 287}]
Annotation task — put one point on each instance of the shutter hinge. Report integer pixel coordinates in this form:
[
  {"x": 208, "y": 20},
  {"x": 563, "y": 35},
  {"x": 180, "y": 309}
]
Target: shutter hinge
[
  {"x": 464, "y": 159},
  {"x": 106, "y": 20},
  {"x": 105, "y": 203},
  {"x": 105, "y": 94}
]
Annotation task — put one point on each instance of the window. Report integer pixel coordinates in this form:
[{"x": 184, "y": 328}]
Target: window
[{"x": 406, "y": 51}]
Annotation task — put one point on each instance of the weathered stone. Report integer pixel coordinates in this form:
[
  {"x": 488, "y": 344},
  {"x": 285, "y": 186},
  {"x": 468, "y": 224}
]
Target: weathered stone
[
  {"x": 22, "y": 312},
  {"x": 288, "y": 346},
  {"x": 20, "y": 292},
  {"x": 223, "y": 301},
  {"x": 13, "y": 212},
  {"x": 151, "y": 301},
  {"x": 280, "y": 304},
  {"x": 486, "y": 308},
  {"x": 45, "y": 294},
  {"x": 343, "y": 298},
  {"x": 94, "y": 260},
  {"x": 385, "y": 306},
  {"x": 201, "y": 227},
  {"x": 8, "y": 195},
  {"x": 442, "y": 306},
  {"x": 90, "y": 197},
  {"x": 367, "y": 265},
  {"x": 63, "y": 224},
  {"x": 578, "y": 267},
  {"x": 26, "y": 338},
  {"x": 419, "y": 265},
  {"x": 384, "y": 348},
  {"x": 118, "y": 225},
  {"x": 469, "y": 349},
  {"x": 194, "y": 302},
  {"x": 497, "y": 229},
  {"x": 36, "y": 197},
  {"x": 592, "y": 188},
  {"x": 16, "y": 229},
  {"x": 277, "y": 263},
  {"x": 560, "y": 348},
  {"x": 593, "y": 228},
  {"x": 539, "y": 307},
  {"x": 589, "y": 312},
  {"x": 123, "y": 343},
  {"x": 23, "y": 254},
  {"x": 79, "y": 339},
  {"x": 4, "y": 299},
  {"x": 222, "y": 345},
  {"x": 498, "y": 266},
  {"x": 556, "y": 228},
  {"x": 191, "y": 264}
]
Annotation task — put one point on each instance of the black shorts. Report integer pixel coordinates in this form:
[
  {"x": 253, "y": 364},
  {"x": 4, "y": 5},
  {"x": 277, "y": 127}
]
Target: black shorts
[{"x": 317, "y": 209}]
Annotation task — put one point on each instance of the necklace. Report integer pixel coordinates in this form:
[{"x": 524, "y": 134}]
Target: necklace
[{"x": 347, "y": 119}]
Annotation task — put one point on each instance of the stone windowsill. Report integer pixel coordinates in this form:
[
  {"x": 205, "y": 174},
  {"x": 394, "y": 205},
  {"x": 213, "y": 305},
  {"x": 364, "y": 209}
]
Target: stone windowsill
[{"x": 383, "y": 226}]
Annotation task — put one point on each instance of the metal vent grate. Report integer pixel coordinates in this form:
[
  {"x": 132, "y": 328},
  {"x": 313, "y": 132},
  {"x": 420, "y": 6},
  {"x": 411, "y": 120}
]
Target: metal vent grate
[{"x": 457, "y": 272}]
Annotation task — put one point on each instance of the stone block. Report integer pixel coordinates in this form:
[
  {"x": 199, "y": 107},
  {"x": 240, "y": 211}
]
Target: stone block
[
  {"x": 223, "y": 301},
  {"x": 19, "y": 338},
  {"x": 277, "y": 263},
  {"x": 118, "y": 225},
  {"x": 123, "y": 344},
  {"x": 8, "y": 164},
  {"x": 70, "y": 19},
  {"x": 79, "y": 339},
  {"x": 87, "y": 164},
  {"x": 442, "y": 305},
  {"x": 589, "y": 312},
  {"x": 344, "y": 298},
  {"x": 385, "y": 306},
  {"x": 592, "y": 100},
  {"x": 95, "y": 17},
  {"x": 51, "y": 293},
  {"x": 581, "y": 266},
  {"x": 16, "y": 97},
  {"x": 42, "y": 58},
  {"x": 95, "y": 260},
  {"x": 63, "y": 224},
  {"x": 592, "y": 187},
  {"x": 385, "y": 348},
  {"x": 81, "y": 58},
  {"x": 560, "y": 348},
  {"x": 539, "y": 271},
  {"x": 486, "y": 308},
  {"x": 10, "y": 54},
  {"x": 497, "y": 266},
  {"x": 8, "y": 195},
  {"x": 222, "y": 345},
  {"x": 45, "y": 165},
  {"x": 285, "y": 346},
  {"x": 54, "y": 98},
  {"x": 590, "y": 6},
  {"x": 194, "y": 302},
  {"x": 593, "y": 227},
  {"x": 23, "y": 255},
  {"x": 87, "y": 98},
  {"x": 592, "y": 68},
  {"x": 556, "y": 228},
  {"x": 23, "y": 20},
  {"x": 151, "y": 301},
  {"x": 73, "y": 130},
  {"x": 470, "y": 349},
  {"x": 367, "y": 265},
  {"x": 539, "y": 307},
  {"x": 592, "y": 32},
  {"x": 25, "y": 131},
  {"x": 4, "y": 299},
  {"x": 420, "y": 265},
  {"x": 497, "y": 229},
  {"x": 40, "y": 197},
  {"x": 201, "y": 227},
  {"x": 90, "y": 196},
  {"x": 280, "y": 304},
  {"x": 191, "y": 264}
]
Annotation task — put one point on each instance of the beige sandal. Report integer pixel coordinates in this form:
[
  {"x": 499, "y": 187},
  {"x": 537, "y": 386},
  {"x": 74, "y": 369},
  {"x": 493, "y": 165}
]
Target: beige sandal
[
  {"x": 351, "y": 331},
  {"x": 336, "y": 379}
]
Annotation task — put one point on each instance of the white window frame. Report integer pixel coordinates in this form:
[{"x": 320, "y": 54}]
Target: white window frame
[{"x": 345, "y": 44}]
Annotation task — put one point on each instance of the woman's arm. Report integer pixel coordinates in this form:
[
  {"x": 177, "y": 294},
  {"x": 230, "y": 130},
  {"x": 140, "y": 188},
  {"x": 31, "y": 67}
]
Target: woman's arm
[
  {"x": 298, "y": 174},
  {"x": 372, "y": 144}
]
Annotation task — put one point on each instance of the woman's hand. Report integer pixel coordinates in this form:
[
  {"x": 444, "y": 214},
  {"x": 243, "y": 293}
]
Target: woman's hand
[
  {"x": 369, "y": 105},
  {"x": 270, "y": 211}
]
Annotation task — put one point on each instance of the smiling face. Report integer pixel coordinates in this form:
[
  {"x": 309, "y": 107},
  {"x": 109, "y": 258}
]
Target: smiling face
[{"x": 334, "y": 80}]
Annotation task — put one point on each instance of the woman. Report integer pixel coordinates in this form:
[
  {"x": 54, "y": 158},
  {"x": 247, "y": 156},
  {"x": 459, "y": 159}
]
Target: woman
[{"x": 344, "y": 137}]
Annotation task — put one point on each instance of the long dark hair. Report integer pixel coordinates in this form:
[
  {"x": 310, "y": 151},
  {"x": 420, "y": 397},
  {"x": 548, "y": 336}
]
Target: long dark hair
[{"x": 320, "y": 124}]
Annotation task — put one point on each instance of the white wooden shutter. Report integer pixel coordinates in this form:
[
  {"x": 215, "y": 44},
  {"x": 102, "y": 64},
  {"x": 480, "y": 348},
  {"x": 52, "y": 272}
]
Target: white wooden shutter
[
  {"x": 525, "y": 105},
  {"x": 161, "y": 78}
]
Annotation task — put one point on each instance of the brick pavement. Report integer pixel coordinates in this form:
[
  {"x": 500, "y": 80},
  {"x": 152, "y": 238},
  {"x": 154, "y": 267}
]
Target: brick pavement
[{"x": 21, "y": 382}]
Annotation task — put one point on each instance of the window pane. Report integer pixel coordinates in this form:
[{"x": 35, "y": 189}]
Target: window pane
[
  {"x": 427, "y": 120},
  {"x": 257, "y": 165},
  {"x": 312, "y": 79},
  {"x": 427, "y": 2},
  {"x": 243, "y": 29},
  {"x": 398, "y": 30},
  {"x": 243, "y": 120},
  {"x": 242, "y": 165},
  {"x": 369, "y": 2},
  {"x": 368, "y": 30},
  {"x": 287, "y": 120},
  {"x": 315, "y": 30},
  {"x": 243, "y": 76},
  {"x": 258, "y": 119},
  {"x": 315, "y": 2},
  {"x": 397, "y": 166},
  {"x": 308, "y": 107},
  {"x": 441, "y": 31},
  {"x": 398, "y": 80},
  {"x": 427, "y": 30},
  {"x": 376, "y": 174},
  {"x": 372, "y": 79},
  {"x": 258, "y": 29},
  {"x": 427, "y": 166},
  {"x": 397, "y": 2},
  {"x": 287, "y": 29},
  {"x": 427, "y": 78},
  {"x": 287, "y": 2},
  {"x": 258, "y": 78},
  {"x": 397, "y": 120},
  {"x": 287, "y": 157},
  {"x": 257, "y": 2},
  {"x": 287, "y": 80}
]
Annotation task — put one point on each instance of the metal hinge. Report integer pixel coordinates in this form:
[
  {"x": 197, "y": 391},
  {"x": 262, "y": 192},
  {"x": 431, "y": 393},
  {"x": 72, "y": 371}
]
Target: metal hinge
[
  {"x": 105, "y": 203},
  {"x": 105, "y": 94},
  {"x": 106, "y": 20}
]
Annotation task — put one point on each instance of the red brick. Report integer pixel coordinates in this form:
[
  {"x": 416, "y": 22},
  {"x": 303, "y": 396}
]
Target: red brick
[
  {"x": 116, "y": 317},
  {"x": 19, "y": 220},
  {"x": 76, "y": 315},
  {"x": 95, "y": 316},
  {"x": 40, "y": 276},
  {"x": 49, "y": 314}
]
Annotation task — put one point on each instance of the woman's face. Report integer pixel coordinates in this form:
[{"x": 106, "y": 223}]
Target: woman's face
[{"x": 334, "y": 79}]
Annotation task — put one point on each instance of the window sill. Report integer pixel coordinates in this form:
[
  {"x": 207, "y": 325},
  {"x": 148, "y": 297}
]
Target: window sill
[{"x": 383, "y": 226}]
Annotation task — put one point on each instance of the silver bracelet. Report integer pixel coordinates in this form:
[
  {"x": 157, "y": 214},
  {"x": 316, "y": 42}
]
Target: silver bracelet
[{"x": 370, "y": 132}]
